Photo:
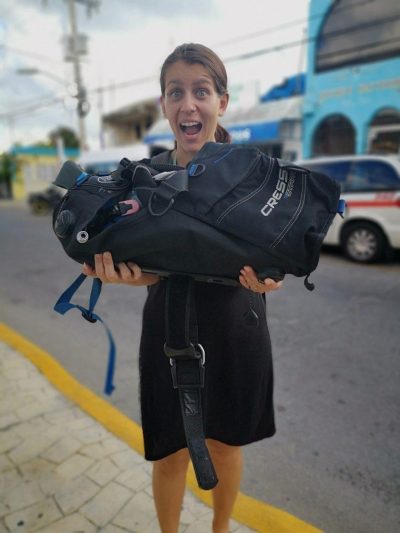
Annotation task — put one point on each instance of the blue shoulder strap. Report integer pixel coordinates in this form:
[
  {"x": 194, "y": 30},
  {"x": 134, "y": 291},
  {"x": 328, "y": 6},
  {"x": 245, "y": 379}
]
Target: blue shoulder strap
[{"x": 63, "y": 305}]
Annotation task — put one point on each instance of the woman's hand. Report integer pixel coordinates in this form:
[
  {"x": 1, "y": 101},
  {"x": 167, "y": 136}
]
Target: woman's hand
[
  {"x": 248, "y": 279},
  {"x": 107, "y": 272}
]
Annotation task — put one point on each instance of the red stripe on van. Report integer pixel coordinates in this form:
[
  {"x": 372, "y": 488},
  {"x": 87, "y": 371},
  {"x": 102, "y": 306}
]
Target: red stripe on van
[{"x": 373, "y": 203}]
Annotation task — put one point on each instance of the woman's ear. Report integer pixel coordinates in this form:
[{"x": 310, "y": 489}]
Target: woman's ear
[
  {"x": 223, "y": 104},
  {"x": 162, "y": 105}
]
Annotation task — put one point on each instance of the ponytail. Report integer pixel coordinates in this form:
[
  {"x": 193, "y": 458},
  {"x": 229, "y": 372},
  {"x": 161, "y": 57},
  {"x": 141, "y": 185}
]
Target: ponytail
[{"x": 222, "y": 136}]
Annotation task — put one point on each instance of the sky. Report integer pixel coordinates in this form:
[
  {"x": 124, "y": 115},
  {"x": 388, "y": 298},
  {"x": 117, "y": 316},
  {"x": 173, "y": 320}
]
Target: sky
[{"x": 127, "y": 41}]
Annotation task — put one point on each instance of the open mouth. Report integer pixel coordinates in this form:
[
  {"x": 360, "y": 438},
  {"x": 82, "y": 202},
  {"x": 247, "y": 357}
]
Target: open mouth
[{"x": 191, "y": 128}]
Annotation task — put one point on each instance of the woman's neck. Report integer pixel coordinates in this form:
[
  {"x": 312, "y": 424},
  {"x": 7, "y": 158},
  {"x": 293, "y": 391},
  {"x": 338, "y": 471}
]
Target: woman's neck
[{"x": 182, "y": 158}]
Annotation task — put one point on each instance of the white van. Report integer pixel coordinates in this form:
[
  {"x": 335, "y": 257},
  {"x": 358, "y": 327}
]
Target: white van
[
  {"x": 107, "y": 160},
  {"x": 371, "y": 188}
]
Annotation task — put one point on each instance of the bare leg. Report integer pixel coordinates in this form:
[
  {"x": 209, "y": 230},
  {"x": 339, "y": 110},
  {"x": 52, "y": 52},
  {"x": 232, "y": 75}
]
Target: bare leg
[
  {"x": 228, "y": 464},
  {"x": 169, "y": 478}
]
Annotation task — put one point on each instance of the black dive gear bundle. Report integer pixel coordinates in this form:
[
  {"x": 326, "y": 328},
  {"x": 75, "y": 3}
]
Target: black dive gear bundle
[{"x": 232, "y": 206}]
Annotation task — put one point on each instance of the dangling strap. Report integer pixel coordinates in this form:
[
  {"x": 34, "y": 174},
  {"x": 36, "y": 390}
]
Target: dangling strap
[
  {"x": 63, "y": 305},
  {"x": 341, "y": 207},
  {"x": 187, "y": 359}
]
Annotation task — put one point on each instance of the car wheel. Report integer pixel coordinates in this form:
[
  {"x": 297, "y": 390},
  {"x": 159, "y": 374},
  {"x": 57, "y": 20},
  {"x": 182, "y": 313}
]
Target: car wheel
[
  {"x": 40, "y": 207},
  {"x": 363, "y": 242}
]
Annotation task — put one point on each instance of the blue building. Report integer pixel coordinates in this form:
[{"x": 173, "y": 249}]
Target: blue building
[{"x": 352, "y": 100}]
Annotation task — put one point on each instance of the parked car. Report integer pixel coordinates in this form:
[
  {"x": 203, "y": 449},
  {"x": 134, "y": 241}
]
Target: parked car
[
  {"x": 43, "y": 202},
  {"x": 371, "y": 188}
]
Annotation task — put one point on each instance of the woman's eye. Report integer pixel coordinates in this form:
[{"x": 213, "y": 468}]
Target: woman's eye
[
  {"x": 202, "y": 92},
  {"x": 175, "y": 93}
]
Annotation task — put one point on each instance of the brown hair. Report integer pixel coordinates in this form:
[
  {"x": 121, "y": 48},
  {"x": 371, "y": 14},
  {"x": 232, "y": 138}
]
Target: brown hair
[{"x": 193, "y": 53}]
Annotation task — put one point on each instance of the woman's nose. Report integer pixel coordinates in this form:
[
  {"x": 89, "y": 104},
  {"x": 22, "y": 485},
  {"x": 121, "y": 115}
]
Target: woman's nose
[{"x": 188, "y": 104}]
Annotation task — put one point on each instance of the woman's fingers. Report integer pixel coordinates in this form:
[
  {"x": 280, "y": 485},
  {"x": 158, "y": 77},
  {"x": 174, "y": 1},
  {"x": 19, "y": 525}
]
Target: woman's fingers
[
  {"x": 248, "y": 279},
  {"x": 272, "y": 285},
  {"x": 136, "y": 270},
  {"x": 105, "y": 269},
  {"x": 125, "y": 272},
  {"x": 98, "y": 266},
  {"x": 107, "y": 272},
  {"x": 88, "y": 270},
  {"x": 110, "y": 273}
]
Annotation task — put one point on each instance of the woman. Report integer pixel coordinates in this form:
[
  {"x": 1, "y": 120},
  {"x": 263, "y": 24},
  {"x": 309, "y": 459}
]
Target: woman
[{"x": 238, "y": 407}]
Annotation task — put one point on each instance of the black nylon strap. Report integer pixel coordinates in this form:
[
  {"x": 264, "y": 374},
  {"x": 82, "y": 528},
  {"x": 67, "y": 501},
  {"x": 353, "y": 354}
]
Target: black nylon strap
[
  {"x": 187, "y": 366},
  {"x": 180, "y": 316}
]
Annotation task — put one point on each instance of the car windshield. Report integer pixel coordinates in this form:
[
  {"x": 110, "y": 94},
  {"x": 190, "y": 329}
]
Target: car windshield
[
  {"x": 363, "y": 175},
  {"x": 372, "y": 176},
  {"x": 337, "y": 170}
]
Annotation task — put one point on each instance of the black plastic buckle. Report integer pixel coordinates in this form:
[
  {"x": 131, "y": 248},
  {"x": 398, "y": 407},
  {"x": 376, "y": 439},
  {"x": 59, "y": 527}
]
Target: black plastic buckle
[
  {"x": 89, "y": 317},
  {"x": 189, "y": 352},
  {"x": 189, "y": 376}
]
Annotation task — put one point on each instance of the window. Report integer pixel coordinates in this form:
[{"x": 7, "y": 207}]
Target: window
[
  {"x": 372, "y": 176},
  {"x": 336, "y": 170},
  {"x": 353, "y": 176},
  {"x": 358, "y": 32}
]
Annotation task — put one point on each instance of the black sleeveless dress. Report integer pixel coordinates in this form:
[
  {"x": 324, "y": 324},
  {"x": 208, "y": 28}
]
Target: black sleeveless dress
[{"x": 238, "y": 393}]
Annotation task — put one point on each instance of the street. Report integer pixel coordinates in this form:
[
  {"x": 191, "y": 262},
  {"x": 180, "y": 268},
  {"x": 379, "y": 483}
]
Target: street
[{"x": 334, "y": 461}]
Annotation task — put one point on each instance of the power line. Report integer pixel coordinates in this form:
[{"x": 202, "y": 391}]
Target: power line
[
  {"x": 279, "y": 27},
  {"x": 248, "y": 55},
  {"x": 283, "y": 46},
  {"x": 31, "y": 108},
  {"x": 270, "y": 29},
  {"x": 33, "y": 55}
]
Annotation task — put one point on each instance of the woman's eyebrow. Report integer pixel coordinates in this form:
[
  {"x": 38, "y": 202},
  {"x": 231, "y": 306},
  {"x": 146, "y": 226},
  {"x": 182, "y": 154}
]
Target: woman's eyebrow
[
  {"x": 199, "y": 81},
  {"x": 174, "y": 82}
]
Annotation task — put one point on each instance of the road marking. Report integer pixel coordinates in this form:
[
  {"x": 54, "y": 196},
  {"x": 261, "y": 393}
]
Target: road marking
[{"x": 248, "y": 511}]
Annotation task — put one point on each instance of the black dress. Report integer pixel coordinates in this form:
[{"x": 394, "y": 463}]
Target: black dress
[{"x": 238, "y": 393}]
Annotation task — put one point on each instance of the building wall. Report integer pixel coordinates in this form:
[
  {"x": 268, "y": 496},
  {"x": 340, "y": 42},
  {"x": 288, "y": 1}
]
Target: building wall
[
  {"x": 357, "y": 92},
  {"x": 36, "y": 168}
]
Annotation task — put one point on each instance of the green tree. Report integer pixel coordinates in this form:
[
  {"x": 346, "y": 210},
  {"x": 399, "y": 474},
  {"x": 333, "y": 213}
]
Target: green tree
[
  {"x": 68, "y": 136},
  {"x": 7, "y": 166}
]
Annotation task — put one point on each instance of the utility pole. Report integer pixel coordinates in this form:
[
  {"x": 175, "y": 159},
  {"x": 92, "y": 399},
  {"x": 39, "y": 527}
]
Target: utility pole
[
  {"x": 75, "y": 47},
  {"x": 82, "y": 107}
]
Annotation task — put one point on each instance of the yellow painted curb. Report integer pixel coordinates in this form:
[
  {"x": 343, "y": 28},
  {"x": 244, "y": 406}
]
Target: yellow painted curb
[{"x": 249, "y": 511}]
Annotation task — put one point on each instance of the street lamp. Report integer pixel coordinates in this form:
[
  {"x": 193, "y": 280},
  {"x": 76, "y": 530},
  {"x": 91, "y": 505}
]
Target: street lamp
[{"x": 32, "y": 71}]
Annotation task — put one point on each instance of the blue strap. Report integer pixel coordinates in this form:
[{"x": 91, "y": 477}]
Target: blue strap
[
  {"x": 341, "y": 207},
  {"x": 81, "y": 178},
  {"x": 63, "y": 305}
]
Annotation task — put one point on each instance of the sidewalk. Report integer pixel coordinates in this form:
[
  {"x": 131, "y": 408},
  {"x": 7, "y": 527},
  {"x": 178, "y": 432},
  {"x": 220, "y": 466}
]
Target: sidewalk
[{"x": 63, "y": 472}]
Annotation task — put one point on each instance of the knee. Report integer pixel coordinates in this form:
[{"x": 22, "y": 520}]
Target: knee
[
  {"x": 173, "y": 464},
  {"x": 224, "y": 453}
]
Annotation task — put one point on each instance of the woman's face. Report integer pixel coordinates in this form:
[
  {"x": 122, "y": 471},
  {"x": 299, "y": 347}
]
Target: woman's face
[{"x": 192, "y": 106}]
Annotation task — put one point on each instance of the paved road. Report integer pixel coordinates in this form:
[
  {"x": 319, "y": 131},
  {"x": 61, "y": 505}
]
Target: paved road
[{"x": 334, "y": 461}]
